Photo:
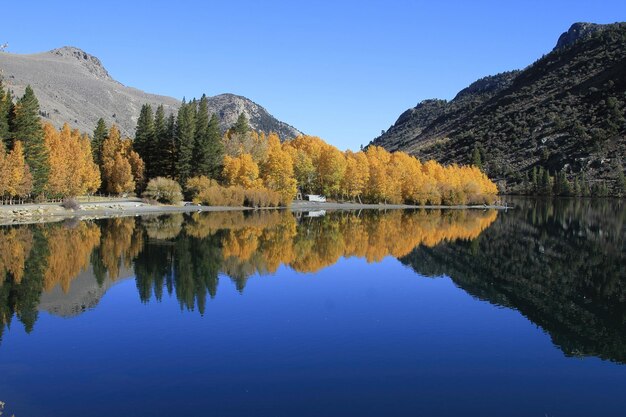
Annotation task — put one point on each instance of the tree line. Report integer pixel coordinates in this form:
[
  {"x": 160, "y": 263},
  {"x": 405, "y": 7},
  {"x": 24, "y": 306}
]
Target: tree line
[{"x": 187, "y": 153}]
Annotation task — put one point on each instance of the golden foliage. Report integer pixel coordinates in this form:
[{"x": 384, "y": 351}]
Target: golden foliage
[
  {"x": 69, "y": 253},
  {"x": 122, "y": 168},
  {"x": 378, "y": 176},
  {"x": 72, "y": 169},
  {"x": 121, "y": 242},
  {"x": 273, "y": 238},
  {"x": 15, "y": 177},
  {"x": 15, "y": 245}
]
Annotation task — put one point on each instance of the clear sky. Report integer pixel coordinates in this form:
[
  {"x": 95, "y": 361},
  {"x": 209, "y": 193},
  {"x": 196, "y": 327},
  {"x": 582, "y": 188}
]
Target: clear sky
[{"x": 342, "y": 70}]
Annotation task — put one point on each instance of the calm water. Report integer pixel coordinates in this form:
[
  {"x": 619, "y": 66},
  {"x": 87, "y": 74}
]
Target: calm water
[{"x": 519, "y": 313}]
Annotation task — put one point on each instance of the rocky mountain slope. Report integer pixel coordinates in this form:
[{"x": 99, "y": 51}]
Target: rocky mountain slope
[
  {"x": 73, "y": 86},
  {"x": 564, "y": 112}
]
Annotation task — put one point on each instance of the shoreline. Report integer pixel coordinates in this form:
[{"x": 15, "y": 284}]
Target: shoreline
[{"x": 52, "y": 212}]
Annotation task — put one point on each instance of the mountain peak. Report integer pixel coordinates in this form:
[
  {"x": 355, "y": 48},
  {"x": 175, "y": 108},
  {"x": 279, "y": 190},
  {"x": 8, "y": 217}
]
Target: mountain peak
[
  {"x": 578, "y": 31},
  {"x": 90, "y": 62}
]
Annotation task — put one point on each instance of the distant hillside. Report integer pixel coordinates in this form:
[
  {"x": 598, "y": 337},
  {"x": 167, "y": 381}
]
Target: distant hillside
[
  {"x": 564, "y": 112},
  {"x": 73, "y": 86}
]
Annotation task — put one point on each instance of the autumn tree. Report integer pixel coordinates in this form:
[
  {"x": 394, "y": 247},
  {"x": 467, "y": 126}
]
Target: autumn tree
[
  {"x": 277, "y": 171},
  {"x": 241, "y": 170},
  {"x": 15, "y": 175},
  {"x": 331, "y": 168},
  {"x": 72, "y": 169},
  {"x": 357, "y": 175},
  {"x": 121, "y": 166}
]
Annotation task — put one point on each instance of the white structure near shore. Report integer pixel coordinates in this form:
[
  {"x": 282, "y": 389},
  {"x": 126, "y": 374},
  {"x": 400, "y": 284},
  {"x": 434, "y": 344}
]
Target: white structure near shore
[{"x": 316, "y": 198}]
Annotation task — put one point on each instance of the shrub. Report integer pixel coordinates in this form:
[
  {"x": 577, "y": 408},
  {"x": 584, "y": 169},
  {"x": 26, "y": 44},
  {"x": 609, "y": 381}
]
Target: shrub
[
  {"x": 70, "y": 204},
  {"x": 163, "y": 190},
  {"x": 207, "y": 191},
  {"x": 262, "y": 197}
]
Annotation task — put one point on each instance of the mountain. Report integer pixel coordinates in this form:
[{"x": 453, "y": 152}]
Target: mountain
[
  {"x": 565, "y": 112},
  {"x": 73, "y": 86}
]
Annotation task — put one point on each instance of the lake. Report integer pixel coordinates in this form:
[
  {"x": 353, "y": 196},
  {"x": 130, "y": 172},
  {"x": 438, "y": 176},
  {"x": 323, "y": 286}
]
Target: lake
[{"x": 272, "y": 313}]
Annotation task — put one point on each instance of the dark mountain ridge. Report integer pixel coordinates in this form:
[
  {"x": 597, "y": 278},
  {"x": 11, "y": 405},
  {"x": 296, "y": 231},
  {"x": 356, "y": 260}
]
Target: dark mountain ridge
[{"x": 563, "y": 113}]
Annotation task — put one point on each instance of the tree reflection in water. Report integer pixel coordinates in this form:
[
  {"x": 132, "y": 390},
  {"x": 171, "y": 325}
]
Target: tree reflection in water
[{"x": 561, "y": 263}]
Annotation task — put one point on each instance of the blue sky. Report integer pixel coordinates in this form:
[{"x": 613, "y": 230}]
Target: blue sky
[{"x": 341, "y": 70}]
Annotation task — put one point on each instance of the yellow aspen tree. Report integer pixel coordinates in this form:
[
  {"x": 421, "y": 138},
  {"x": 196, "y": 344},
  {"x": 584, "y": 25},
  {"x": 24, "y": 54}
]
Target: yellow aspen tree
[
  {"x": 4, "y": 175},
  {"x": 137, "y": 166},
  {"x": 241, "y": 170},
  {"x": 331, "y": 168},
  {"x": 116, "y": 169},
  {"x": 58, "y": 156},
  {"x": 20, "y": 180},
  {"x": 90, "y": 174},
  {"x": 357, "y": 174},
  {"x": 277, "y": 173},
  {"x": 378, "y": 159}
]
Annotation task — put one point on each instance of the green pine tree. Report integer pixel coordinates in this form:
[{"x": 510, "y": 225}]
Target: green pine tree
[
  {"x": 202, "y": 117},
  {"x": 185, "y": 129},
  {"x": 202, "y": 144},
  {"x": 621, "y": 183},
  {"x": 241, "y": 126},
  {"x": 545, "y": 184},
  {"x": 476, "y": 159},
  {"x": 100, "y": 133},
  {"x": 534, "y": 180},
  {"x": 216, "y": 147},
  {"x": 144, "y": 143},
  {"x": 5, "y": 108},
  {"x": 169, "y": 143},
  {"x": 27, "y": 128},
  {"x": 161, "y": 148}
]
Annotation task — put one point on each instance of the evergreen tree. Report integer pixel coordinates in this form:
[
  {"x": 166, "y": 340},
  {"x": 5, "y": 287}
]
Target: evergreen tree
[
  {"x": 241, "y": 126},
  {"x": 161, "y": 158},
  {"x": 202, "y": 146},
  {"x": 170, "y": 147},
  {"x": 202, "y": 117},
  {"x": 621, "y": 183},
  {"x": 144, "y": 143},
  {"x": 585, "y": 189},
  {"x": 29, "y": 291},
  {"x": 476, "y": 159},
  {"x": 185, "y": 128},
  {"x": 216, "y": 147},
  {"x": 534, "y": 179},
  {"x": 100, "y": 133},
  {"x": 5, "y": 108},
  {"x": 27, "y": 128},
  {"x": 577, "y": 188},
  {"x": 561, "y": 185},
  {"x": 545, "y": 186}
]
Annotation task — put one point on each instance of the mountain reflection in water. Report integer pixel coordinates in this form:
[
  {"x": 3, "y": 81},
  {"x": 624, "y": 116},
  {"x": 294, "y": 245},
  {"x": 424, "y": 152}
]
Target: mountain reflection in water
[
  {"x": 561, "y": 263},
  {"x": 185, "y": 254}
]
